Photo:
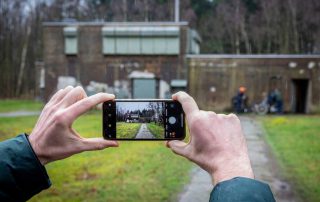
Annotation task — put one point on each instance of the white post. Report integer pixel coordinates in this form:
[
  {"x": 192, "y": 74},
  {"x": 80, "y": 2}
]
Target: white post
[{"x": 176, "y": 10}]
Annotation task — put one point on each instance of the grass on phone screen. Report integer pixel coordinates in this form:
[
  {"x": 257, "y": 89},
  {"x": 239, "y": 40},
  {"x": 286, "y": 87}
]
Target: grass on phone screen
[
  {"x": 156, "y": 130},
  {"x": 127, "y": 130}
]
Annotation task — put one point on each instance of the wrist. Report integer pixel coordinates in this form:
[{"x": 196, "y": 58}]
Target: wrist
[
  {"x": 41, "y": 157},
  {"x": 232, "y": 170}
]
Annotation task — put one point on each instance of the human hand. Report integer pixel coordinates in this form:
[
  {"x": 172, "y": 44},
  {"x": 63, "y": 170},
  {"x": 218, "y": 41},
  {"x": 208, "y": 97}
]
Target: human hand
[
  {"x": 217, "y": 143},
  {"x": 53, "y": 137}
]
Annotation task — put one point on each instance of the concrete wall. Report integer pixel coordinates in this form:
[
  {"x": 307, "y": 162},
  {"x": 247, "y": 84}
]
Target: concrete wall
[
  {"x": 90, "y": 64},
  {"x": 214, "y": 79}
]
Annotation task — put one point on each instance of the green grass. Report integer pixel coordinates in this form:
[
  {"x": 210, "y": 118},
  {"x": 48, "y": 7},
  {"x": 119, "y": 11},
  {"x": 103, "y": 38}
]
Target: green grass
[
  {"x": 156, "y": 130},
  {"x": 127, "y": 130},
  {"x": 296, "y": 143},
  {"x": 136, "y": 171},
  {"x": 16, "y": 105}
]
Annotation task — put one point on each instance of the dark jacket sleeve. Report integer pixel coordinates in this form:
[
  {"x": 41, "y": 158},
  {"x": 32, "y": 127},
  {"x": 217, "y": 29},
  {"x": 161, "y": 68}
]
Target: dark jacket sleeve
[
  {"x": 21, "y": 173},
  {"x": 241, "y": 189}
]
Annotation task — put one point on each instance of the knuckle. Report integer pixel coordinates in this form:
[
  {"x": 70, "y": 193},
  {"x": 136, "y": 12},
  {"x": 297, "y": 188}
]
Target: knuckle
[
  {"x": 47, "y": 107},
  {"x": 222, "y": 116},
  {"x": 100, "y": 94},
  {"x": 89, "y": 102},
  {"x": 233, "y": 116},
  {"x": 180, "y": 92},
  {"x": 197, "y": 118},
  {"x": 59, "y": 117},
  {"x": 57, "y": 93},
  {"x": 183, "y": 97},
  {"x": 79, "y": 90},
  {"x": 99, "y": 146},
  {"x": 211, "y": 114}
]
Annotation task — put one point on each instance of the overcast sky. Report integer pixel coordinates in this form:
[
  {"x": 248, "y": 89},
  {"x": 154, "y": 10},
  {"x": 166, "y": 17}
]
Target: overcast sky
[{"x": 131, "y": 106}]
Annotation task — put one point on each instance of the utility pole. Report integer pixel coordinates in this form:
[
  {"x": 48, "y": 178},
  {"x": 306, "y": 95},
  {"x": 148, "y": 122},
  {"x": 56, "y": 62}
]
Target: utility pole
[{"x": 176, "y": 10}]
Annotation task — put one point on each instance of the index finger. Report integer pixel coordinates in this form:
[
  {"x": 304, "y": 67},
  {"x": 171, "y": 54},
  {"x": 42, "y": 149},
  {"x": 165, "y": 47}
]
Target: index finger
[
  {"x": 188, "y": 104},
  {"x": 84, "y": 105}
]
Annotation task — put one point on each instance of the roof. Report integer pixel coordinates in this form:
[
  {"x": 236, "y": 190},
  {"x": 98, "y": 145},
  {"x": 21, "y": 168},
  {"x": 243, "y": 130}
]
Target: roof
[
  {"x": 178, "y": 83},
  {"x": 103, "y": 23},
  {"x": 140, "y": 74},
  {"x": 141, "y": 31},
  {"x": 251, "y": 56},
  {"x": 70, "y": 31}
]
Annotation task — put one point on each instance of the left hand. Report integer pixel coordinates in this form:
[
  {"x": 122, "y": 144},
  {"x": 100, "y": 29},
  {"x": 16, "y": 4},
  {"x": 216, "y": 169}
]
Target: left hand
[{"x": 53, "y": 137}]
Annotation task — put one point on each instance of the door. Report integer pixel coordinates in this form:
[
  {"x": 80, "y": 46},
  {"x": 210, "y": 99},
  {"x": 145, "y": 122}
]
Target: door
[
  {"x": 145, "y": 88},
  {"x": 300, "y": 95}
]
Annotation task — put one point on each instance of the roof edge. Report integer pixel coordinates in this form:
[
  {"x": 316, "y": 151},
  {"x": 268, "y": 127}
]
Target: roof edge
[
  {"x": 102, "y": 23},
  {"x": 251, "y": 56}
]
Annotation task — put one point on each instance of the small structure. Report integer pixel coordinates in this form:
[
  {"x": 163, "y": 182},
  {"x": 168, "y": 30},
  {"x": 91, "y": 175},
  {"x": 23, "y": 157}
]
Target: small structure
[
  {"x": 177, "y": 85},
  {"x": 144, "y": 85},
  {"x": 132, "y": 118},
  {"x": 214, "y": 79}
]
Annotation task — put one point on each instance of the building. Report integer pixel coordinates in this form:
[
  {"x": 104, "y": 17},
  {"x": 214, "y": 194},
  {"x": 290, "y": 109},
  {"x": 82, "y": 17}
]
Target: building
[
  {"x": 214, "y": 79},
  {"x": 109, "y": 52},
  {"x": 154, "y": 59}
]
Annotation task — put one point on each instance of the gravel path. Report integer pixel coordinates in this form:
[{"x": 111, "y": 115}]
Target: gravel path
[
  {"x": 263, "y": 162},
  {"x": 144, "y": 132},
  {"x": 19, "y": 113}
]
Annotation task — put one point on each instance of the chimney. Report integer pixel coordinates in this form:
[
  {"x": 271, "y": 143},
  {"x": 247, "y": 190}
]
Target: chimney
[{"x": 176, "y": 10}]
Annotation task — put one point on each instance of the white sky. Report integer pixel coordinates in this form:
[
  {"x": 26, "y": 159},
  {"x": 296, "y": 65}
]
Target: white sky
[{"x": 131, "y": 106}]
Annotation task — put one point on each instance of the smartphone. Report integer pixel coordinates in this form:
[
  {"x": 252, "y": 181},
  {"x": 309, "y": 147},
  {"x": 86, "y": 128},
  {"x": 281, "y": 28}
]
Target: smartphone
[{"x": 131, "y": 119}]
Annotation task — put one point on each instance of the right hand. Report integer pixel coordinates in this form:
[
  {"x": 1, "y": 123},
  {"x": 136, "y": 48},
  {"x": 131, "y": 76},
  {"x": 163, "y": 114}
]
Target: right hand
[
  {"x": 53, "y": 137},
  {"x": 217, "y": 143}
]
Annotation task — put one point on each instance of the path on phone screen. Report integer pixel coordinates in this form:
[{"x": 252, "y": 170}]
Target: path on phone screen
[
  {"x": 144, "y": 132},
  {"x": 263, "y": 163}
]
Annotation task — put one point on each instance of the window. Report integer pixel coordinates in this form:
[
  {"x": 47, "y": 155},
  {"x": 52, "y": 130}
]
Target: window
[
  {"x": 70, "y": 40},
  {"x": 148, "y": 40},
  {"x": 194, "y": 42},
  {"x": 108, "y": 40}
]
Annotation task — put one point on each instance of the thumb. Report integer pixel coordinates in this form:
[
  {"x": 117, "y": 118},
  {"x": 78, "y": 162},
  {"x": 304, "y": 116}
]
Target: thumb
[
  {"x": 178, "y": 147},
  {"x": 90, "y": 144}
]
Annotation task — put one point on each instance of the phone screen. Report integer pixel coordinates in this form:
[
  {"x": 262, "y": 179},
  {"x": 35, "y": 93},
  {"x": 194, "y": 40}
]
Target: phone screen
[{"x": 143, "y": 120}]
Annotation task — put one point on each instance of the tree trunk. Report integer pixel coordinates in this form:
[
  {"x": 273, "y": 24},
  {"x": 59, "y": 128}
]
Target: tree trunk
[
  {"x": 245, "y": 37},
  {"x": 294, "y": 26},
  {"x": 125, "y": 11},
  {"x": 23, "y": 60},
  {"x": 146, "y": 11}
]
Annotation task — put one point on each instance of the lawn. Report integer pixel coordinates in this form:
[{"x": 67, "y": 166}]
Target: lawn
[
  {"x": 296, "y": 143},
  {"x": 127, "y": 130},
  {"x": 156, "y": 130},
  {"x": 16, "y": 105},
  {"x": 136, "y": 171}
]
